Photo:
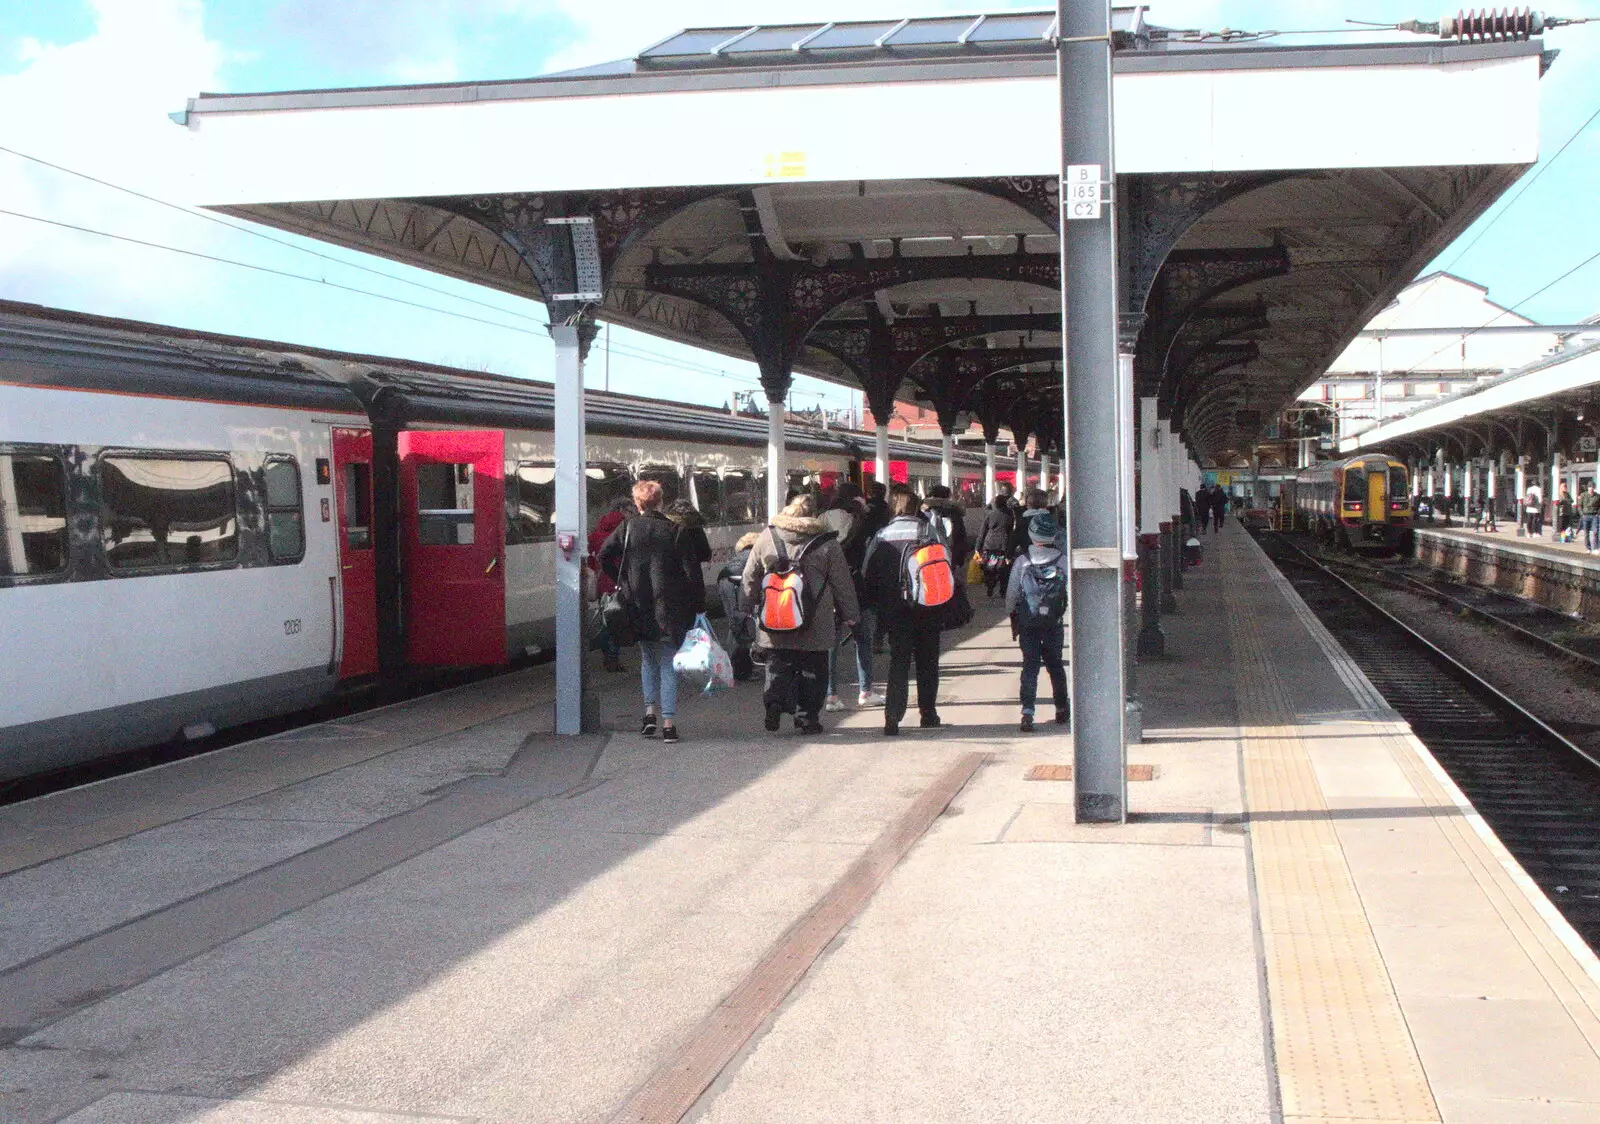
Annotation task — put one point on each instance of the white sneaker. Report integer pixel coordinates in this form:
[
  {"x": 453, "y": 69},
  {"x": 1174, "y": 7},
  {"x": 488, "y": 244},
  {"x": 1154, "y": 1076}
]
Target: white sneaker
[
  {"x": 869, "y": 698},
  {"x": 834, "y": 703}
]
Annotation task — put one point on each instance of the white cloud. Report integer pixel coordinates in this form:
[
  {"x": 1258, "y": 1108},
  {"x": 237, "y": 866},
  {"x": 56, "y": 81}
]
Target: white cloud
[{"x": 99, "y": 105}]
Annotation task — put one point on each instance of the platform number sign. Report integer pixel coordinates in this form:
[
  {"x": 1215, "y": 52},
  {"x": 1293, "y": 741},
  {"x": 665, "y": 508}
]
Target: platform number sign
[{"x": 1081, "y": 196}]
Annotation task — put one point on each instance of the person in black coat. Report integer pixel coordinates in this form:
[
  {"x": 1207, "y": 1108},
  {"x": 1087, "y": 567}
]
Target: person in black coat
[
  {"x": 994, "y": 544},
  {"x": 694, "y": 548},
  {"x": 913, "y": 630},
  {"x": 952, "y": 521},
  {"x": 643, "y": 557},
  {"x": 1202, "y": 508}
]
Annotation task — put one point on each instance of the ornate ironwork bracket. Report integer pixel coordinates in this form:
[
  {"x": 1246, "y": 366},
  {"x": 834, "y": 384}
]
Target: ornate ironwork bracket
[
  {"x": 1189, "y": 280},
  {"x": 948, "y": 376}
]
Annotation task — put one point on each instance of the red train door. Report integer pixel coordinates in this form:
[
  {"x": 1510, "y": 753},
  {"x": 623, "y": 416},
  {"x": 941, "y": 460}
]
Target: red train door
[
  {"x": 352, "y": 490},
  {"x": 452, "y": 519}
]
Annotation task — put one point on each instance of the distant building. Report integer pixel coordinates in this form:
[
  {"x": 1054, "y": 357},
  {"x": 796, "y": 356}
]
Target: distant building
[{"x": 1416, "y": 368}]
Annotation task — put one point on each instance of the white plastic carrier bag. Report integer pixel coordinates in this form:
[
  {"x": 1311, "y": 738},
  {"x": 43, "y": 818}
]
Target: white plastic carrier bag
[{"x": 702, "y": 660}]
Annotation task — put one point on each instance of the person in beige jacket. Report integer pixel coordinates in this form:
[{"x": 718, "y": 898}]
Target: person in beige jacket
[{"x": 797, "y": 663}]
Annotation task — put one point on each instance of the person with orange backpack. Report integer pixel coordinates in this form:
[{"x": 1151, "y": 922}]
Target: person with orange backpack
[
  {"x": 910, "y": 577},
  {"x": 798, "y": 582}
]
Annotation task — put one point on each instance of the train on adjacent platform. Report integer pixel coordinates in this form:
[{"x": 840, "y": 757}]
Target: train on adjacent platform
[
  {"x": 1361, "y": 504},
  {"x": 198, "y": 531}
]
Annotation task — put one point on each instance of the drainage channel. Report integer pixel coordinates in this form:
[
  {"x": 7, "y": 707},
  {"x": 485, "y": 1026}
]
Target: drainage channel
[{"x": 1538, "y": 791}]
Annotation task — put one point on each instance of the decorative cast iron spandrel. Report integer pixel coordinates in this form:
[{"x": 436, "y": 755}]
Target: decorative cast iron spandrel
[
  {"x": 1040, "y": 196},
  {"x": 1188, "y": 280}
]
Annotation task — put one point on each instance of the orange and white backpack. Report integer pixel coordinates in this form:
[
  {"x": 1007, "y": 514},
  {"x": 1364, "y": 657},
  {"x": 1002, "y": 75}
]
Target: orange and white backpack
[
  {"x": 928, "y": 576},
  {"x": 784, "y": 604}
]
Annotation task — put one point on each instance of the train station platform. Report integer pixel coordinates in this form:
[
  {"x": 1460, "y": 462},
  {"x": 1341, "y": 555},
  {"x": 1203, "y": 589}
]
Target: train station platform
[
  {"x": 1562, "y": 576},
  {"x": 439, "y": 911}
]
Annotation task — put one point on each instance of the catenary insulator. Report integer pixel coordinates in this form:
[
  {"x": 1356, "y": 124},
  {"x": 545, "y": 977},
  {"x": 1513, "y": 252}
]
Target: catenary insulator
[{"x": 1492, "y": 26}]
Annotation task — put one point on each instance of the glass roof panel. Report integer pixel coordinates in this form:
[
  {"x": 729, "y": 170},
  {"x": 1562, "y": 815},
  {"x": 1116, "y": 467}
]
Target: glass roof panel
[
  {"x": 773, "y": 38},
  {"x": 1010, "y": 28},
  {"x": 851, "y": 35},
  {"x": 921, "y": 32},
  {"x": 694, "y": 42}
]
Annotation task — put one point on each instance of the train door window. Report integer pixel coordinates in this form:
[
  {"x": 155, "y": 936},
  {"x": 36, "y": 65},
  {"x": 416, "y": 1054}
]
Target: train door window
[
  {"x": 1398, "y": 491},
  {"x": 1355, "y": 486},
  {"x": 286, "y": 526},
  {"x": 607, "y": 484},
  {"x": 33, "y": 513},
  {"x": 707, "y": 494},
  {"x": 667, "y": 476},
  {"x": 739, "y": 498},
  {"x": 168, "y": 511},
  {"x": 444, "y": 505},
  {"x": 358, "y": 505},
  {"x": 531, "y": 503}
]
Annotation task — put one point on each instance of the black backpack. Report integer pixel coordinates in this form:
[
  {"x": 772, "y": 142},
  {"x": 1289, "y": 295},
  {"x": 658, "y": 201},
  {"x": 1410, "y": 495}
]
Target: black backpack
[{"x": 1043, "y": 589}]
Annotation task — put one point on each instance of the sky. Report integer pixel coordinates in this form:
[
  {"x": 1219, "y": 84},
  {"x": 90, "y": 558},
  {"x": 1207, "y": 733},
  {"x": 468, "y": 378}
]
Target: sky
[{"x": 87, "y": 85}]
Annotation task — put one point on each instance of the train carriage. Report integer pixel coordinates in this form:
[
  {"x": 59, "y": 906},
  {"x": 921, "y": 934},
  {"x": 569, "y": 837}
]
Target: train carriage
[
  {"x": 1361, "y": 504},
  {"x": 198, "y": 531}
]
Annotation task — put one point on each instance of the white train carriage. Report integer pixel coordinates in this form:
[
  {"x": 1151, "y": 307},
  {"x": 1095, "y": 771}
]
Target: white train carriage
[{"x": 198, "y": 531}]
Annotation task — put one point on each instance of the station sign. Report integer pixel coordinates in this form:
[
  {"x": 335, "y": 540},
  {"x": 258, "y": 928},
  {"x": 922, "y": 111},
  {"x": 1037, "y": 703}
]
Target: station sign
[{"x": 1080, "y": 196}]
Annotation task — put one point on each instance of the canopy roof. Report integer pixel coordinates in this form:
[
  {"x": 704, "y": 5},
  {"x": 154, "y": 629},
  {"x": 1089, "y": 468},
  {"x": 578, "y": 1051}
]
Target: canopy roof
[{"x": 1273, "y": 198}]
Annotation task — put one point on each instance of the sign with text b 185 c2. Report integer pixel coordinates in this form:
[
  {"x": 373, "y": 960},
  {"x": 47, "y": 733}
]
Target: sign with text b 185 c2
[{"x": 1080, "y": 196}]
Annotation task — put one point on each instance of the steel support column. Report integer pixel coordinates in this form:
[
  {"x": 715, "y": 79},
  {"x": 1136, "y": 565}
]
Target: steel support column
[
  {"x": 946, "y": 459},
  {"x": 881, "y": 453},
  {"x": 1044, "y": 475},
  {"x": 988, "y": 472},
  {"x": 777, "y": 459},
  {"x": 1022, "y": 471},
  {"x": 572, "y": 516},
  {"x": 1093, "y": 419},
  {"x": 1152, "y": 479}
]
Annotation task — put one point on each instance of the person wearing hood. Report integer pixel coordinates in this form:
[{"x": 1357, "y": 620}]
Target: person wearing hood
[
  {"x": 642, "y": 557},
  {"x": 694, "y": 548},
  {"x": 952, "y": 523},
  {"x": 994, "y": 544},
  {"x": 913, "y": 629},
  {"x": 1036, "y": 601},
  {"x": 797, "y": 659}
]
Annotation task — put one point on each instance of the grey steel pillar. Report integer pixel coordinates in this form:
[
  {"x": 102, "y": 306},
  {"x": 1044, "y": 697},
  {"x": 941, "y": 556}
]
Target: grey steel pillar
[
  {"x": 777, "y": 459},
  {"x": 1152, "y": 475},
  {"x": 1175, "y": 481},
  {"x": 572, "y": 531},
  {"x": 1092, "y": 386}
]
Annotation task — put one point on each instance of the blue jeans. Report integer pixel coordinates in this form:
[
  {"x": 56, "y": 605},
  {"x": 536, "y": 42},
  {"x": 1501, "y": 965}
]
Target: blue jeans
[
  {"x": 1043, "y": 646},
  {"x": 1591, "y": 532},
  {"x": 658, "y": 677},
  {"x": 862, "y": 639}
]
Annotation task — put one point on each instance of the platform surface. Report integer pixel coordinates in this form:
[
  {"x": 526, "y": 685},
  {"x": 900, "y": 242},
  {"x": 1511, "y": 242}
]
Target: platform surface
[{"x": 439, "y": 911}]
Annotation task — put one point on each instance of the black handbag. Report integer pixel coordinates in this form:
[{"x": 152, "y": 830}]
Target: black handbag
[
  {"x": 957, "y": 610},
  {"x": 615, "y": 615}
]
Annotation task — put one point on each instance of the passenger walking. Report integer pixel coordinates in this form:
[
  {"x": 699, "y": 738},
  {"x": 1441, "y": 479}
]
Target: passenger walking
[
  {"x": 610, "y": 650},
  {"x": 1036, "y": 600},
  {"x": 1219, "y": 506},
  {"x": 840, "y": 518},
  {"x": 798, "y": 580},
  {"x": 1202, "y": 507},
  {"x": 909, "y": 578},
  {"x": 694, "y": 548},
  {"x": 642, "y": 557},
  {"x": 1533, "y": 511},
  {"x": 1566, "y": 521},
  {"x": 952, "y": 523},
  {"x": 1589, "y": 515},
  {"x": 994, "y": 544}
]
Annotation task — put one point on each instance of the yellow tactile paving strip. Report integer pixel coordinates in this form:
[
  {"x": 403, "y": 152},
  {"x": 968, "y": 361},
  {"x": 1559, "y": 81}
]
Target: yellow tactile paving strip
[{"x": 1340, "y": 1042}]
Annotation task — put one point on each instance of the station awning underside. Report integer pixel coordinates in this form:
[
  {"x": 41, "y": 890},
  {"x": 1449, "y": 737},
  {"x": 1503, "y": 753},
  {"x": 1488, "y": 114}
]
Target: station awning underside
[
  {"x": 1521, "y": 410},
  {"x": 886, "y": 216}
]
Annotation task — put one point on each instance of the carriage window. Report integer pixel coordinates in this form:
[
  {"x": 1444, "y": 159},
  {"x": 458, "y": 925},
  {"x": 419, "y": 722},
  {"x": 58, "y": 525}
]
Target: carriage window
[
  {"x": 168, "y": 511},
  {"x": 531, "y": 503},
  {"x": 444, "y": 505},
  {"x": 667, "y": 476},
  {"x": 358, "y": 505},
  {"x": 707, "y": 494},
  {"x": 286, "y": 526},
  {"x": 33, "y": 514},
  {"x": 1355, "y": 486},
  {"x": 607, "y": 485},
  {"x": 1398, "y": 491},
  {"x": 741, "y": 497}
]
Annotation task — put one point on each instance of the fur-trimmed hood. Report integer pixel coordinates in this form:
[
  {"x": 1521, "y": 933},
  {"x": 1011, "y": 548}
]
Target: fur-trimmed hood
[
  {"x": 687, "y": 518},
  {"x": 801, "y": 526}
]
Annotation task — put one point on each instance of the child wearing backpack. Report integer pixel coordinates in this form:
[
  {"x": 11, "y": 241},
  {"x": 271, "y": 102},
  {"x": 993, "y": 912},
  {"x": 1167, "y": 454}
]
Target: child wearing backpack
[
  {"x": 797, "y": 580},
  {"x": 1036, "y": 598}
]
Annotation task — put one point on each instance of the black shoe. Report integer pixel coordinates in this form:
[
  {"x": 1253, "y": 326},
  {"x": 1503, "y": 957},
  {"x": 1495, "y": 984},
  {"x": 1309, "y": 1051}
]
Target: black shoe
[
  {"x": 1063, "y": 716},
  {"x": 611, "y": 663},
  {"x": 647, "y": 726},
  {"x": 807, "y": 724},
  {"x": 669, "y": 734},
  {"x": 774, "y": 716},
  {"x": 1026, "y": 725},
  {"x": 891, "y": 729},
  {"x": 931, "y": 722}
]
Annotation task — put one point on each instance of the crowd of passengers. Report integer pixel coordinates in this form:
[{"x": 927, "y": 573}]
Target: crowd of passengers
[
  {"x": 828, "y": 585},
  {"x": 1568, "y": 518}
]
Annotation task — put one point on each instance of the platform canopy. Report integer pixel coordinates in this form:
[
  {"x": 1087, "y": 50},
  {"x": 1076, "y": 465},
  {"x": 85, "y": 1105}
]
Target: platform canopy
[{"x": 875, "y": 202}]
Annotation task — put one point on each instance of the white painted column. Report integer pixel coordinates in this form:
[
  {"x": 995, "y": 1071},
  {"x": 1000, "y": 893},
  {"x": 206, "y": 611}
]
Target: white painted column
[
  {"x": 1466, "y": 483},
  {"x": 988, "y": 472},
  {"x": 1494, "y": 470},
  {"x": 572, "y": 517},
  {"x": 881, "y": 454},
  {"x": 1022, "y": 472},
  {"x": 1555, "y": 482},
  {"x": 1431, "y": 488},
  {"x": 1522, "y": 485},
  {"x": 946, "y": 459},
  {"x": 777, "y": 459},
  {"x": 1044, "y": 474},
  {"x": 1153, "y": 469},
  {"x": 1449, "y": 480}
]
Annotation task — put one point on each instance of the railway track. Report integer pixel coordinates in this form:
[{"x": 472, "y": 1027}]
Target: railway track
[{"x": 1537, "y": 789}]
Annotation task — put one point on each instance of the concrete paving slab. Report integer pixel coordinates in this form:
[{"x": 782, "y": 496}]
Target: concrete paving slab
[
  {"x": 1483, "y": 1110},
  {"x": 1506, "y": 1049},
  {"x": 157, "y": 1108}
]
